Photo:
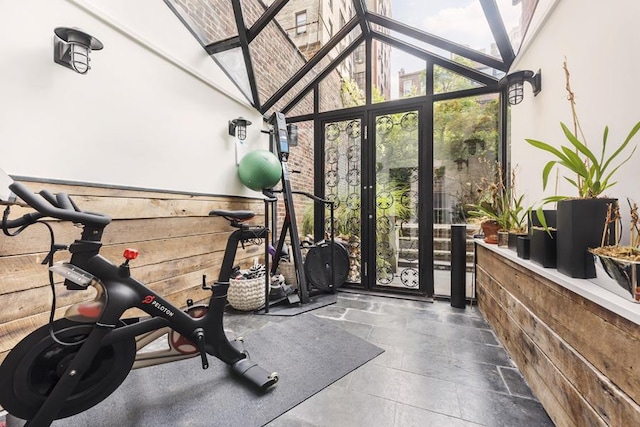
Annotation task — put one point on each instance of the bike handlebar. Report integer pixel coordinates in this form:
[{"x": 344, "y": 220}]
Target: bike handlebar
[{"x": 59, "y": 206}]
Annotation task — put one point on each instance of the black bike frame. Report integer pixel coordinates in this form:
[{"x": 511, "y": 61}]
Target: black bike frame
[{"x": 124, "y": 292}]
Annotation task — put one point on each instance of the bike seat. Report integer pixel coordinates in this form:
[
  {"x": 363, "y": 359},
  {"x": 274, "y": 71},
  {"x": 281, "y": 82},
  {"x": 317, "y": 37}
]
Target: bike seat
[{"x": 233, "y": 215}]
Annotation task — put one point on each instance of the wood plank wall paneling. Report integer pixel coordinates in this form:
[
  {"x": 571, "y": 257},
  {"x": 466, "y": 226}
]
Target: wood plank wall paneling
[
  {"x": 177, "y": 239},
  {"x": 578, "y": 357}
]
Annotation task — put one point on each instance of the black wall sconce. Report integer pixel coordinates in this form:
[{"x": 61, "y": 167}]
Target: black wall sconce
[
  {"x": 238, "y": 127},
  {"x": 292, "y": 130},
  {"x": 473, "y": 144},
  {"x": 460, "y": 161},
  {"x": 515, "y": 84},
  {"x": 71, "y": 48}
]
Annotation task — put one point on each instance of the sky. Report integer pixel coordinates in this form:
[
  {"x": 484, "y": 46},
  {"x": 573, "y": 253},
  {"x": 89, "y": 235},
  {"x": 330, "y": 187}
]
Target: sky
[{"x": 460, "y": 21}]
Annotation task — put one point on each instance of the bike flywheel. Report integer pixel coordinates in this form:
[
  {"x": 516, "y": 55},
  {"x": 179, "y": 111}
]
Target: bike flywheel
[{"x": 34, "y": 366}]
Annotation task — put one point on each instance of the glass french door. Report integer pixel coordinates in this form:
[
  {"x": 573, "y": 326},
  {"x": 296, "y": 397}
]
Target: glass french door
[
  {"x": 466, "y": 149},
  {"x": 342, "y": 148},
  {"x": 372, "y": 174},
  {"x": 395, "y": 184}
]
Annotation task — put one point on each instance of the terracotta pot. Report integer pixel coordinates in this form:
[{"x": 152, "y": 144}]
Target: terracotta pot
[{"x": 490, "y": 231}]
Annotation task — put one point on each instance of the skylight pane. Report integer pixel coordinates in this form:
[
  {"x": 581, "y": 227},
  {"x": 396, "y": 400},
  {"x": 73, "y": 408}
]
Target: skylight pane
[
  {"x": 483, "y": 68},
  {"x": 208, "y": 20},
  {"x": 460, "y": 21},
  {"x": 232, "y": 62},
  {"x": 304, "y": 107},
  {"x": 271, "y": 47},
  {"x": 445, "y": 80},
  {"x": 311, "y": 25},
  {"x": 338, "y": 90},
  {"x": 406, "y": 75},
  {"x": 516, "y": 15}
]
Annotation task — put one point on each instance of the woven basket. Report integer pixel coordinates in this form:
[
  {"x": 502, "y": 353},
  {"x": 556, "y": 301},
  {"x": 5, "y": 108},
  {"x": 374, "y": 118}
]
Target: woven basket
[
  {"x": 246, "y": 294},
  {"x": 288, "y": 270}
]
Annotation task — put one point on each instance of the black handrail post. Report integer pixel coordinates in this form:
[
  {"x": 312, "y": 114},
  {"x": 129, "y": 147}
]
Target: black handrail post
[
  {"x": 458, "y": 265},
  {"x": 267, "y": 272}
]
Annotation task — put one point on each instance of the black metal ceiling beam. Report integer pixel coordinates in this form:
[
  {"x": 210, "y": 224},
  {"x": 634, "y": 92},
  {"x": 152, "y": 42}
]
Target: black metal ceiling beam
[
  {"x": 361, "y": 12},
  {"x": 244, "y": 44},
  {"x": 222, "y": 45},
  {"x": 436, "y": 41},
  {"x": 333, "y": 42},
  {"x": 265, "y": 18},
  {"x": 499, "y": 32},
  {"x": 436, "y": 59},
  {"x": 252, "y": 33},
  {"x": 331, "y": 67}
]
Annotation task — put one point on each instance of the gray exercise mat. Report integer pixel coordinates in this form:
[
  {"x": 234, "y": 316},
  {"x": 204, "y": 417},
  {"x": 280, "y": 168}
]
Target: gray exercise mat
[
  {"x": 315, "y": 302},
  {"x": 308, "y": 352}
]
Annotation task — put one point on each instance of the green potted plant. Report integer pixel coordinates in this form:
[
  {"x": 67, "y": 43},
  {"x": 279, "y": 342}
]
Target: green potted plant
[
  {"x": 518, "y": 215},
  {"x": 498, "y": 208},
  {"x": 580, "y": 219}
]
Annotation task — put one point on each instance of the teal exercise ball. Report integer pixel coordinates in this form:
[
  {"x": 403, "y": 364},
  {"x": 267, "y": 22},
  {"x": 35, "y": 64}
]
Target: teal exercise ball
[{"x": 260, "y": 169}]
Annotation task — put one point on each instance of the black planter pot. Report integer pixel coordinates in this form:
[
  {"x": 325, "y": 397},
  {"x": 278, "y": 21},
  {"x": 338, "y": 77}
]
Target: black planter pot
[
  {"x": 549, "y": 217},
  {"x": 580, "y": 223},
  {"x": 543, "y": 247},
  {"x": 523, "y": 247},
  {"x": 513, "y": 239}
]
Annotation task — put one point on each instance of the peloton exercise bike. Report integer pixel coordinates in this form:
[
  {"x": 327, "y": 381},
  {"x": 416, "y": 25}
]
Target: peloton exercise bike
[{"x": 72, "y": 364}]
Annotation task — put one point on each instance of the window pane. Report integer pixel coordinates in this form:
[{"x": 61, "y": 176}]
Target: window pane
[
  {"x": 445, "y": 80},
  {"x": 210, "y": 21},
  {"x": 232, "y": 62},
  {"x": 406, "y": 74},
  {"x": 460, "y": 21},
  {"x": 301, "y": 22},
  {"x": 516, "y": 15},
  {"x": 465, "y": 154}
]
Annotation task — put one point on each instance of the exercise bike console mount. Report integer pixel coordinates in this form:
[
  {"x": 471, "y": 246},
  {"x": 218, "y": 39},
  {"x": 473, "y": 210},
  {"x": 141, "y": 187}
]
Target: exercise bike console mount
[{"x": 72, "y": 273}]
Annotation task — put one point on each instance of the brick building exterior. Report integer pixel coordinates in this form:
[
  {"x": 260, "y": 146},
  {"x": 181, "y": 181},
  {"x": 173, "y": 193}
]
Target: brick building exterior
[
  {"x": 216, "y": 21},
  {"x": 411, "y": 83},
  {"x": 311, "y": 23}
]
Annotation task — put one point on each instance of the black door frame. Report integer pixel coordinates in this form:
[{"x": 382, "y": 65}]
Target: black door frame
[
  {"x": 367, "y": 166},
  {"x": 425, "y": 192}
]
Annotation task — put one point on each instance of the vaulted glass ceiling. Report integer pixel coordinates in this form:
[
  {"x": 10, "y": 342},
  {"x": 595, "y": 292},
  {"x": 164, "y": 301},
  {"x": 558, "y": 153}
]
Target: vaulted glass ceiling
[{"x": 280, "y": 52}]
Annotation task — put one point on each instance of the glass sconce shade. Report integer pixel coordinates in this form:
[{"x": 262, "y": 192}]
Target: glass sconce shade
[
  {"x": 238, "y": 128},
  {"x": 515, "y": 93},
  {"x": 515, "y": 84},
  {"x": 71, "y": 48},
  {"x": 80, "y": 58}
]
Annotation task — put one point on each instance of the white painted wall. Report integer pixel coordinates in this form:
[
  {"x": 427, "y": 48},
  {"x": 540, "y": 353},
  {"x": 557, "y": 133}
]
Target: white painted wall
[
  {"x": 600, "y": 42},
  {"x": 152, "y": 112}
]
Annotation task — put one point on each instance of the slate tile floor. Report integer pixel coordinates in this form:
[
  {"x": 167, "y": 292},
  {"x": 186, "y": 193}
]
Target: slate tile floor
[{"x": 442, "y": 366}]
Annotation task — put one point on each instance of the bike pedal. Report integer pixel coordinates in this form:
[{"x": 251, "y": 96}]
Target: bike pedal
[{"x": 201, "y": 349}]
